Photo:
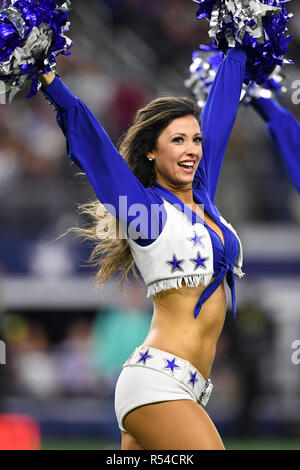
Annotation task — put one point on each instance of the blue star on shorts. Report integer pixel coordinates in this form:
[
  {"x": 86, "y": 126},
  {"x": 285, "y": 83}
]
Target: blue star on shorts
[
  {"x": 144, "y": 357},
  {"x": 193, "y": 379},
  {"x": 171, "y": 365}
]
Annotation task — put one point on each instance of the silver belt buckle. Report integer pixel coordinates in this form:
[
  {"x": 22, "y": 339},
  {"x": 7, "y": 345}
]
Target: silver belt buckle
[{"x": 204, "y": 397}]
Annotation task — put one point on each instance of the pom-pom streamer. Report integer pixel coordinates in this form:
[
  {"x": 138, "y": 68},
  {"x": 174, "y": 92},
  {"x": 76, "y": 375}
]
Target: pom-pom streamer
[
  {"x": 205, "y": 63},
  {"x": 259, "y": 26},
  {"x": 32, "y": 35}
]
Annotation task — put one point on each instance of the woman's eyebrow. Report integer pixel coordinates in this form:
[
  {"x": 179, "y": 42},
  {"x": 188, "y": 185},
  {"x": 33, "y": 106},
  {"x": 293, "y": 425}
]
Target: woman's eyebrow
[{"x": 183, "y": 134}]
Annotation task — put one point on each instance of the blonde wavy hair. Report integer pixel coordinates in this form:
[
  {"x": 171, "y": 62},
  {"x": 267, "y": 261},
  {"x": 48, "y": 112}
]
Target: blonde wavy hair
[{"x": 111, "y": 253}]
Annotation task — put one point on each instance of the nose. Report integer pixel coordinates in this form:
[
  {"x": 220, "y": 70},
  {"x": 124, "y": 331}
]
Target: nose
[{"x": 194, "y": 149}]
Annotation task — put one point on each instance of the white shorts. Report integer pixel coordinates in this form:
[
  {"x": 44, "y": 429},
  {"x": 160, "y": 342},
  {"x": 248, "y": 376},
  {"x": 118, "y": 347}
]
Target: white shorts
[{"x": 151, "y": 376}]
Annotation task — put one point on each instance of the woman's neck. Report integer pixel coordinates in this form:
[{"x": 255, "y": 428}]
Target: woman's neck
[{"x": 184, "y": 193}]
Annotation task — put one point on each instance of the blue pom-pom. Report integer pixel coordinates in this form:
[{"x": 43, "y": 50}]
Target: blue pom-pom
[
  {"x": 32, "y": 35},
  {"x": 259, "y": 26}
]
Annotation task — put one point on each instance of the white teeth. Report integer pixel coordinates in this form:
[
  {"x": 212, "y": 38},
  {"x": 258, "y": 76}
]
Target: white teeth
[{"x": 187, "y": 164}]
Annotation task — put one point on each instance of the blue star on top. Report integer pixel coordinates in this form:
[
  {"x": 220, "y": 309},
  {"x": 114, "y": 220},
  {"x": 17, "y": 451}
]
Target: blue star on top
[
  {"x": 199, "y": 262},
  {"x": 144, "y": 357},
  {"x": 171, "y": 365},
  {"x": 176, "y": 264},
  {"x": 197, "y": 239},
  {"x": 193, "y": 379}
]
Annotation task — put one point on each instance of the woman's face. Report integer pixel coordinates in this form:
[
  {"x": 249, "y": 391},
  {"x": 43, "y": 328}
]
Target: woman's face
[{"x": 179, "y": 142}]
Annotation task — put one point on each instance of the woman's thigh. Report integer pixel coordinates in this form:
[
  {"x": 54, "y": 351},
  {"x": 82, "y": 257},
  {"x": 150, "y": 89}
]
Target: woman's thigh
[
  {"x": 179, "y": 424},
  {"x": 129, "y": 442}
]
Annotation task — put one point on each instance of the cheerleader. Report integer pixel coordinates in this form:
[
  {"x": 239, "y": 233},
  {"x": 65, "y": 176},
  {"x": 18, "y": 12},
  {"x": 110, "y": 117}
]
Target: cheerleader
[
  {"x": 183, "y": 247},
  {"x": 155, "y": 211}
]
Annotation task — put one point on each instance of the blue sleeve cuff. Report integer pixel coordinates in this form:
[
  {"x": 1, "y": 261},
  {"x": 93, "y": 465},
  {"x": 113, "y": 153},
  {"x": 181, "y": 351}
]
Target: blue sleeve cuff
[
  {"x": 237, "y": 53},
  {"x": 59, "y": 94}
]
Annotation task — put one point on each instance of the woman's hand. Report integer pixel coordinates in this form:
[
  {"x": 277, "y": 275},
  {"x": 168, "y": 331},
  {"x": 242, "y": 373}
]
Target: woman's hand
[{"x": 47, "y": 78}]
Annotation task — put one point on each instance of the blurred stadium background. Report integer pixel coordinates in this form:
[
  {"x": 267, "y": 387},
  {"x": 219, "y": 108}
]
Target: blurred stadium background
[{"x": 64, "y": 339}]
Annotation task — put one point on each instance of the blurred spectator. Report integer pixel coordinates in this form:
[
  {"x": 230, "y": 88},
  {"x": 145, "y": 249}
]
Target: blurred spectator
[
  {"x": 73, "y": 361},
  {"x": 33, "y": 364},
  {"x": 127, "y": 99},
  {"x": 117, "y": 331}
]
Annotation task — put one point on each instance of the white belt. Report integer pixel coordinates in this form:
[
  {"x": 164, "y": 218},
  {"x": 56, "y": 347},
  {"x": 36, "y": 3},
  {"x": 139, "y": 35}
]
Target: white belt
[{"x": 173, "y": 366}]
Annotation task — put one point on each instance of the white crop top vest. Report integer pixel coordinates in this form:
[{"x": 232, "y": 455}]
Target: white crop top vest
[{"x": 182, "y": 251}]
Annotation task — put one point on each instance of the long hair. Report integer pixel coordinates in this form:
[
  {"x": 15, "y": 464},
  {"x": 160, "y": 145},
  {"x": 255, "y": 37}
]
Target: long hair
[{"x": 111, "y": 253}]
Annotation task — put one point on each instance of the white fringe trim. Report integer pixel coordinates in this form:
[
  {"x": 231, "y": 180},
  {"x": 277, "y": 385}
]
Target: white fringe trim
[
  {"x": 238, "y": 271},
  {"x": 176, "y": 283}
]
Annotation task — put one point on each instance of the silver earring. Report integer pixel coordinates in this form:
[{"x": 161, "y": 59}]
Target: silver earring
[{"x": 150, "y": 159}]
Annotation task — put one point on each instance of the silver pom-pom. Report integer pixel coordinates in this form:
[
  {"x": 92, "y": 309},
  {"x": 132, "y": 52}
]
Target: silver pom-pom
[
  {"x": 202, "y": 75},
  {"x": 259, "y": 26},
  {"x": 245, "y": 16},
  {"x": 33, "y": 35}
]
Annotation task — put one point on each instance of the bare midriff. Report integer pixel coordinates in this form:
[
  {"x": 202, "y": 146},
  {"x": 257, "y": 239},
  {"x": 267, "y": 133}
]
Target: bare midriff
[{"x": 175, "y": 330}]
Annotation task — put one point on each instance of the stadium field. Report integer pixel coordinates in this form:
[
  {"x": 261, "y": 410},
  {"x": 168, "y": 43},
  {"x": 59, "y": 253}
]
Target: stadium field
[{"x": 234, "y": 444}]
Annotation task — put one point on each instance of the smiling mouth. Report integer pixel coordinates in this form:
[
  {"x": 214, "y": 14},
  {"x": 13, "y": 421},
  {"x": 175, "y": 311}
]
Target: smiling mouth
[{"x": 187, "y": 167}]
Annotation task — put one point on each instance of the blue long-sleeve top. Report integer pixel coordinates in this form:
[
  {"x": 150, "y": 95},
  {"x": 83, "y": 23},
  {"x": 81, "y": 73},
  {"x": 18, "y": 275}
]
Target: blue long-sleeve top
[
  {"x": 284, "y": 130},
  {"x": 89, "y": 146}
]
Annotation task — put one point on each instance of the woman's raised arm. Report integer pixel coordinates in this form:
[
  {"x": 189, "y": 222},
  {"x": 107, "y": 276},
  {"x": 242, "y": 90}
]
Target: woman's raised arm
[
  {"x": 219, "y": 114},
  {"x": 89, "y": 146}
]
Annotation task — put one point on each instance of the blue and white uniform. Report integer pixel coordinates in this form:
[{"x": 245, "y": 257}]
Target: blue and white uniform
[
  {"x": 151, "y": 375},
  {"x": 91, "y": 149}
]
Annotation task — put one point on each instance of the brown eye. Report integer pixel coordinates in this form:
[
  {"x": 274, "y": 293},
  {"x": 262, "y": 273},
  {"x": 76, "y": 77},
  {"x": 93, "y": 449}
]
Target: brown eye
[{"x": 177, "y": 139}]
